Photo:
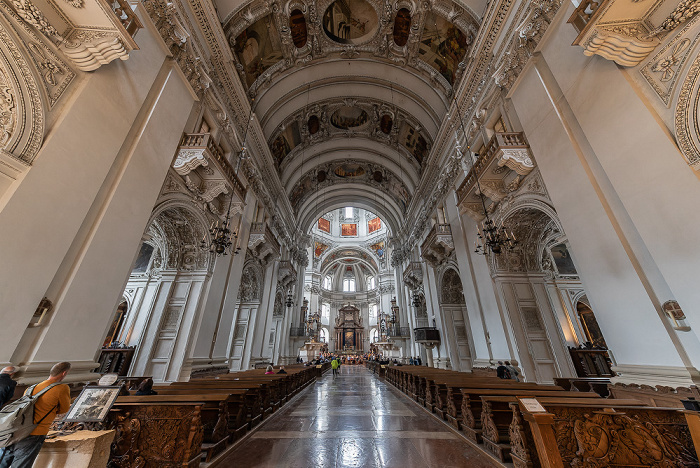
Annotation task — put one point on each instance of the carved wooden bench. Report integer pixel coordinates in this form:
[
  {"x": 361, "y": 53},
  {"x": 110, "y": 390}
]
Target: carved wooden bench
[
  {"x": 166, "y": 435},
  {"x": 606, "y": 432}
]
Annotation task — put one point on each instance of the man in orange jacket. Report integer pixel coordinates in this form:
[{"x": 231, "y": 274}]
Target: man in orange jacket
[{"x": 55, "y": 401}]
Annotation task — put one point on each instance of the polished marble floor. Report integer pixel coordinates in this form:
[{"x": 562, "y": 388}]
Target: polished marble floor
[{"x": 354, "y": 420}]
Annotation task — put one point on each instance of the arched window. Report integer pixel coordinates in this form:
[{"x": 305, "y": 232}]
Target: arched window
[
  {"x": 349, "y": 285},
  {"x": 323, "y": 335},
  {"x": 348, "y": 212},
  {"x": 327, "y": 282},
  {"x": 325, "y": 313},
  {"x": 373, "y": 314},
  {"x": 373, "y": 335},
  {"x": 370, "y": 282}
]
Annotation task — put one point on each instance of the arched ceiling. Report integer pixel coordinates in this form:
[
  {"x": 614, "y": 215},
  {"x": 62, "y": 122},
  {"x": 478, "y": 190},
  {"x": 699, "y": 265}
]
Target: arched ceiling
[{"x": 350, "y": 94}]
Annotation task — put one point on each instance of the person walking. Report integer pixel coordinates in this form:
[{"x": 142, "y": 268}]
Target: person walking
[
  {"x": 7, "y": 384},
  {"x": 334, "y": 365},
  {"x": 55, "y": 401}
]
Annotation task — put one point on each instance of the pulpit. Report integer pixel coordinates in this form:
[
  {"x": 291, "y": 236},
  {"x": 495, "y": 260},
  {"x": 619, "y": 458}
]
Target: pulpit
[{"x": 349, "y": 331}]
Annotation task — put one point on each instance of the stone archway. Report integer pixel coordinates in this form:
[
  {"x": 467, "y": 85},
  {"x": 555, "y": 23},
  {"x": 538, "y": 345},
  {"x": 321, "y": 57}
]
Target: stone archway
[
  {"x": 167, "y": 282},
  {"x": 522, "y": 282},
  {"x": 453, "y": 313}
]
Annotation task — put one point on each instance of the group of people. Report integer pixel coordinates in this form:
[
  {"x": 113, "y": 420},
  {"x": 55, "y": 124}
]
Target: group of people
[
  {"x": 55, "y": 401},
  {"x": 415, "y": 361},
  {"x": 271, "y": 370},
  {"x": 506, "y": 370}
]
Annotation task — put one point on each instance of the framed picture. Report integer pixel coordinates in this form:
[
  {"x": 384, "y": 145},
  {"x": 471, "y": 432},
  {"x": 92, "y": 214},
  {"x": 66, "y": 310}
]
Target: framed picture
[{"x": 93, "y": 404}]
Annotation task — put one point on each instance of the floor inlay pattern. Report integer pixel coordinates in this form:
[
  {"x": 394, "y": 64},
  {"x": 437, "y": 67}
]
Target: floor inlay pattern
[{"x": 354, "y": 420}]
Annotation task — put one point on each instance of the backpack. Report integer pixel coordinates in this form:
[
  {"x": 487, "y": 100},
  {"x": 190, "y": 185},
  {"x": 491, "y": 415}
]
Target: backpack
[{"x": 17, "y": 417}]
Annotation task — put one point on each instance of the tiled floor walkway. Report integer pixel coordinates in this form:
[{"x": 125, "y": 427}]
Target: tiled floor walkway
[{"x": 354, "y": 420}]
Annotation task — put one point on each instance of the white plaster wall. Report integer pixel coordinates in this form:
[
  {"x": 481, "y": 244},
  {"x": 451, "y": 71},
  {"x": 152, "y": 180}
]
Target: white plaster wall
[
  {"x": 619, "y": 299},
  {"x": 41, "y": 220}
]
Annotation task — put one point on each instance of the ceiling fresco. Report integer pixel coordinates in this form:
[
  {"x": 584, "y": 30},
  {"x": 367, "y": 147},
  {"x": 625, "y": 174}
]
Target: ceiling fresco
[
  {"x": 366, "y": 118},
  {"x": 411, "y": 56},
  {"x": 358, "y": 172}
]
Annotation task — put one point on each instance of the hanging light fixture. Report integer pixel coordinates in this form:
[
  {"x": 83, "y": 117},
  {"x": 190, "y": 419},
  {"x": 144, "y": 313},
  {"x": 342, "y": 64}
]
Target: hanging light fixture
[
  {"x": 491, "y": 239},
  {"x": 222, "y": 237}
]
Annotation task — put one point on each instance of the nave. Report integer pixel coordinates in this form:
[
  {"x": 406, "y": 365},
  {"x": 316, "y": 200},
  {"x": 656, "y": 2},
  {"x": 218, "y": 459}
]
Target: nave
[{"x": 354, "y": 420}]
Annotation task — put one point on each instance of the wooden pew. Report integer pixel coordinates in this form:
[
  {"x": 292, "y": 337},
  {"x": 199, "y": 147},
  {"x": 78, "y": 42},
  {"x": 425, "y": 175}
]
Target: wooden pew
[
  {"x": 238, "y": 411},
  {"x": 472, "y": 401},
  {"x": 497, "y": 416},
  {"x": 606, "y": 432},
  {"x": 214, "y": 414},
  {"x": 256, "y": 396},
  {"x": 662, "y": 396},
  {"x": 166, "y": 435}
]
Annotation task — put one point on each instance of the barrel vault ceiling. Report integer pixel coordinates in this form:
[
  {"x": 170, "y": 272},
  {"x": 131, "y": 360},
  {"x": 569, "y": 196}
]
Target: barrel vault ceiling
[{"x": 350, "y": 94}]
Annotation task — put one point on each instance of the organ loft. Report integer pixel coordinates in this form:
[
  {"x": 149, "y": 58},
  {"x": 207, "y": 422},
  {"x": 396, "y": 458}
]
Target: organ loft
[{"x": 483, "y": 211}]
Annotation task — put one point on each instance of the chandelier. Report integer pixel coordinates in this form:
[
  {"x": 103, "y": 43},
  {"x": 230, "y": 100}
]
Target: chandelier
[
  {"x": 490, "y": 238},
  {"x": 222, "y": 237}
]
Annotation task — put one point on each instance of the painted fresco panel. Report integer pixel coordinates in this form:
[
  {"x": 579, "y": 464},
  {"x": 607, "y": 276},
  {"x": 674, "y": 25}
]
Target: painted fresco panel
[
  {"x": 285, "y": 142},
  {"x": 442, "y": 46},
  {"x": 324, "y": 225},
  {"x": 348, "y": 229},
  {"x": 258, "y": 48},
  {"x": 374, "y": 224}
]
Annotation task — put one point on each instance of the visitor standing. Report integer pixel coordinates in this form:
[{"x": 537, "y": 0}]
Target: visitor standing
[
  {"x": 55, "y": 400},
  {"x": 7, "y": 384},
  {"x": 334, "y": 365},
  {"x": 502, "y": 371},
  {"x": 512, "y": 370}
]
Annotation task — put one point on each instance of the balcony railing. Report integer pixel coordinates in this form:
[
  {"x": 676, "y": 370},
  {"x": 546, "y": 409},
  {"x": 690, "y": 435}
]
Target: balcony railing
[
  {"x": 399, "y": 332},
  {"x": 426, "y": 334},
  {"x": 591, "y": 362},
  {"x": 583, "y": 14},
  {"x": 126, "y": 16},
  {"x": 205, "y": 141},
  {"x": 297, "y": 331},
  {"x": 509, "y": 140}
]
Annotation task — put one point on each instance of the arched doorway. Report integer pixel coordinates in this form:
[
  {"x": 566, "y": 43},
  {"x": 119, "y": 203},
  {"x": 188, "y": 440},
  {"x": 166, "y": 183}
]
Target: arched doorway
[
  {"x": 167, "y": 283},
  {"x": 454, "y": 318}
]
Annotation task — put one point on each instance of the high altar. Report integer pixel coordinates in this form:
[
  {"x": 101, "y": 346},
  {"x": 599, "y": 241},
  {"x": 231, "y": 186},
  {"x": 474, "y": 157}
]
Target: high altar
[{"x": 349, "y": 331}]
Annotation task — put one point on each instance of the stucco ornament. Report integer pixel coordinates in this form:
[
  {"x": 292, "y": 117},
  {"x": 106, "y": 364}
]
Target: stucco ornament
[{"x": 8, "y": 109}]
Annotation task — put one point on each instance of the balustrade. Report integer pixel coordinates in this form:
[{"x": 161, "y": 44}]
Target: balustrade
[{"x": 126, "y": 16}]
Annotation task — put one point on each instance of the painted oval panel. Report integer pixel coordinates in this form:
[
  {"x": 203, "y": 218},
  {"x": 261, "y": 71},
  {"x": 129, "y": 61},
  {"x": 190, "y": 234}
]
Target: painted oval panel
[
  {"x": 349, "y": 117},
  {"x": 314, "y": 124},
  {"x": 349, "y": 170},
  {"x": 402, "y": 27},
  {"x": 386, "y": 123},
  {"x": 297, "y": 24},
  {"x": 350, "y": 21}
]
